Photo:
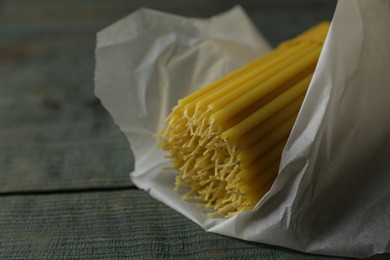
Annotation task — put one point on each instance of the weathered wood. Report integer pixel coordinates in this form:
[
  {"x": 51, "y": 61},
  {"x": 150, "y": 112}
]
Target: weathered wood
[
  {"x": 54, "y": 134},
  {"x": 114, "y": 224},
  {"x": 63, "y": 166}
]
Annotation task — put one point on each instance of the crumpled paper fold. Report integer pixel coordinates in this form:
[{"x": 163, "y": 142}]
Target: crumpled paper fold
[{"x": 332, "y": 193}]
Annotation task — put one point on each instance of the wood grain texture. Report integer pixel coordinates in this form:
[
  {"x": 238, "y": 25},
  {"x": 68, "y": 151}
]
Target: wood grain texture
[
  {"x": 116, "y": 224},
  {"x": 54, "y": 134},
  {"x": 65, "y": 166}
]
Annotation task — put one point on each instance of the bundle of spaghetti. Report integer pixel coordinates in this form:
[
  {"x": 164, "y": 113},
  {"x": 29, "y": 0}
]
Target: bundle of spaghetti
[{"x": 226, "y": 139}]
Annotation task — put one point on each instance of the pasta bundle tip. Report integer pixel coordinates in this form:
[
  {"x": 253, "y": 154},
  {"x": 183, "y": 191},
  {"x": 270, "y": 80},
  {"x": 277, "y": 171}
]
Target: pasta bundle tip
[{"x": 226, "y": 139}]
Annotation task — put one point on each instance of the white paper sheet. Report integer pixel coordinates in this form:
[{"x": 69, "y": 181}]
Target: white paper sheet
[{"x": 332, "y": 194}]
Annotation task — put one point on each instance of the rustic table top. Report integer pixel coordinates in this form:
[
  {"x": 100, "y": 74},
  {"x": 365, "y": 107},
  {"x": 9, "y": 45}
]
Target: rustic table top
[{"x": 65, "y": 190}]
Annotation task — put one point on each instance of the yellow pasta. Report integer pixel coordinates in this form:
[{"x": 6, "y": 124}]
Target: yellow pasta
[{"x": 226, "y": 139}]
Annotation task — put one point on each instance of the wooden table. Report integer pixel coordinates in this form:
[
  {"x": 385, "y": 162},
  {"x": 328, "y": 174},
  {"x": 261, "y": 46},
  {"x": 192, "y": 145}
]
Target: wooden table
[{"x": 64, "y": 185}]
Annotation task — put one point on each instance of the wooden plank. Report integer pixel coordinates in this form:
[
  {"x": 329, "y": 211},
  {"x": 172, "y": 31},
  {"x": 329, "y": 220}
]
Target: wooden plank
[
  {"x": 71, "y": 17},
  {"x": 38, "y": 6},
  {"x": 54, "y": 134},
  {"x": 115, "y": 224},
  {"x": 64, "y": 166}
]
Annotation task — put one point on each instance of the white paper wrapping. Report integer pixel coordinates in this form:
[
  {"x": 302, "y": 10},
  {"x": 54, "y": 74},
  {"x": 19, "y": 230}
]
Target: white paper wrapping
[{"x": 332, "y": 194}]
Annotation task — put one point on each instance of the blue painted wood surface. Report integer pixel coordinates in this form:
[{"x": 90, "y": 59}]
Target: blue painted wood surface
[
  {"x": 54, "y": 134},
  {"x": 64, "y": 164},
  {"x": 114, "y": 224}
]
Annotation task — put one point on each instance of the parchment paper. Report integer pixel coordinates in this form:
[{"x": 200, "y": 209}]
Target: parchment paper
[{"x": 332, "y": 194}]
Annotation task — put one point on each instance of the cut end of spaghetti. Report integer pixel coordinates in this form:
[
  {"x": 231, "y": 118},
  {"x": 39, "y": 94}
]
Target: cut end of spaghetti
[{"x": 227, "y": 165}]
